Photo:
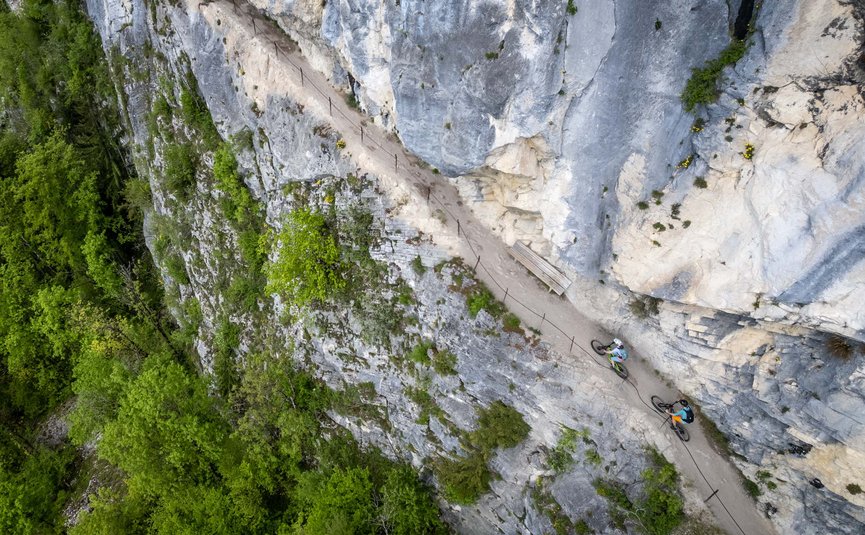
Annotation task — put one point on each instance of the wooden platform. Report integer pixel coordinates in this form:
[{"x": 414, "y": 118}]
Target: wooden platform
[{"x": 542, "y": 269}]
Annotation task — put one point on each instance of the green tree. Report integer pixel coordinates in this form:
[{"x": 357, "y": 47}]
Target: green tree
[
  {"x": 341, "y": 503},
  {"x": 406, "y": 505},
  {"x": 167, "y": 432},
  {"x": 308, "y": 266},
  {"x": 31, "y": 494}
]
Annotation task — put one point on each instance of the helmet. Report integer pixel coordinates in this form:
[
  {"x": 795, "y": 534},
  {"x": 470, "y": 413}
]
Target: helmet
[
  {"x": 618, "y": 342},
  {"x": 683, "y": 402}
]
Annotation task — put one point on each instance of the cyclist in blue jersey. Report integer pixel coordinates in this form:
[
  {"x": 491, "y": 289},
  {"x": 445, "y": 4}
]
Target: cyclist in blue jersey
[{"x": 683, "y": 415}]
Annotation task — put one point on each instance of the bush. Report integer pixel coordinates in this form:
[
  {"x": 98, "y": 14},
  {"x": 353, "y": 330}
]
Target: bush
[
  {"x": 180, "y": 166},
  {"x": 854, "y": 489},
  {"x": 406, "y": 504},
  {"x": 308, "y": 266},
  {"x": 417, "y": 265},
  {"x": 571, "y": 8},
  {"x": 236, "y": 202},
  {"x": 420, "y": 352},
  {"x": 444, "y": 363},
  {"x": 659, "y": 508},
  {"x": 700, "y": 182},
  {"x": 643, "y": 205},
  {"x": 465, "y": 479},
  {"x": 561, "y": 457},
  {"x": 645, "y": 306},
  {"x": 342, "y": 503},
  {"x": 751, "y": 488},
  {"x": 701, "y": 88},
  {"x": 480, "y": 298},
  {"x": 512, "y": 323},
  {"x": 499, "y": 426},
  {"x": 196, "y": 114}
]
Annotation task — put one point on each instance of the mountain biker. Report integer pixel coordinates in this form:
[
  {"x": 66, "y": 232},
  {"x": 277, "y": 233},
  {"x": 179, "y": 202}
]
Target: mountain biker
[
  {"x": 618, "y": 354},
  {"x": 683, "y": 415}
]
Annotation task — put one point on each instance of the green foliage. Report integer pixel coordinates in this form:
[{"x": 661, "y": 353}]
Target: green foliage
[
  {"x": 702, "y": 86},
  {"x": 308, "y": 266},
  {"x": 194, "y": 112},
  {"x": 659, "y": 508},
  {"x": 499, "y": 426},
  {"x": 512, "y": 323},
  {"x": 427, "y": 404},
  {"x": 237, "y": 202},
  {"x": 80, "y": 303},
  {"x": 643, "y": 205},
  {"x": 166, "y": 432},
  {"x": 561, "y": 458},
  {"x": 32, "y": 494},
  {"x": 406, "y": 506},
  {"x": 444, "y": 362},
  {"x": 480, "y": 298},
  {"x": 226, "y": 341},
  {"x": 547, "y": 504},
  {"x": 464, "y": 479},
  {"x": 700, "y": 182},
  {"x": 854, "y": 489},
  {"x": 352, "y": 101},
  {"x": 593, "y": 457},
  {"x": 571, "y": 8},
  {"x": 180, "y": 169},
  {"x": 341, "y": 503},
  {"x": 751, "y": 488},
  {"x": 417, "y": 265},
  {"x": 420, "y": 352},
  {"x": 645, "y": 306}
]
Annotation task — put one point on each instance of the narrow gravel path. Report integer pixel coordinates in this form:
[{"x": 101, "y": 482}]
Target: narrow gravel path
[{"x": 372, "y": 150}]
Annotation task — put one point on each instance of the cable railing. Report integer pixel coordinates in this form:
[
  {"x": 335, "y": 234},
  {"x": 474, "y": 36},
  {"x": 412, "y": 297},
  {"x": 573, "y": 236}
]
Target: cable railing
[{"x": 504, "y": 291}]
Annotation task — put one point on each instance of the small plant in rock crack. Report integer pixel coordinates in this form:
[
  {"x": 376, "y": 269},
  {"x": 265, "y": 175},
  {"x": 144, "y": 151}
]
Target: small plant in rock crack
[
  {"x": 417, "y": 265},
  {"x": 572, "y": 8},
  {"x": 700, "y": 182},
  {"x": 698, "y": 125},
  {"x": 749, "y": 151},
  {"x": 686, "y": 163},
  {"x": 340, "y": 144}
]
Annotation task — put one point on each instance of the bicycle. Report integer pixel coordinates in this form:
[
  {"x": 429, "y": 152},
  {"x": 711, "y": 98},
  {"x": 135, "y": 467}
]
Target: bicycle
[
  {"x": 604, "y": 349},
  {"x": 661, "y": 406}
]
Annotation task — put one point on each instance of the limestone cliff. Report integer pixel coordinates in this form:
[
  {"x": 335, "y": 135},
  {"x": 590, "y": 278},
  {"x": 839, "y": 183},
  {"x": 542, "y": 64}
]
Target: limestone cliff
[{"x": 555, "y": 126}]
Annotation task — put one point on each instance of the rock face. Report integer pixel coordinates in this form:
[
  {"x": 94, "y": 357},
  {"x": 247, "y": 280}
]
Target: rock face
[{"x": 554, "y": 126}]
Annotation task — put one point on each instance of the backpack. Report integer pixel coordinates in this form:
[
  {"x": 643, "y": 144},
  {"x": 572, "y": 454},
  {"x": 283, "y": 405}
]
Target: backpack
[{"x": 689, "y": 415}]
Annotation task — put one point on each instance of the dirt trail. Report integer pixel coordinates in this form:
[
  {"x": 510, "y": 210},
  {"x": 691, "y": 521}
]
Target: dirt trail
[{"x": 372, "y": 149}]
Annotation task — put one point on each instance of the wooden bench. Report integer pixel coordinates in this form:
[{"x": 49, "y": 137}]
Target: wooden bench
[{"x": 542, "y": 269}]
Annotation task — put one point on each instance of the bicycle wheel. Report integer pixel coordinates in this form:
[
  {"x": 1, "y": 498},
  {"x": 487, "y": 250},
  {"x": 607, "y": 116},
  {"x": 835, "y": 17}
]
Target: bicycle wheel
[
  {"x": 600, "y": 349},
  {"x": 659, "y": 404},
  {"x": 682, "y": 432},
  {"x": 620, "y": 370}
]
